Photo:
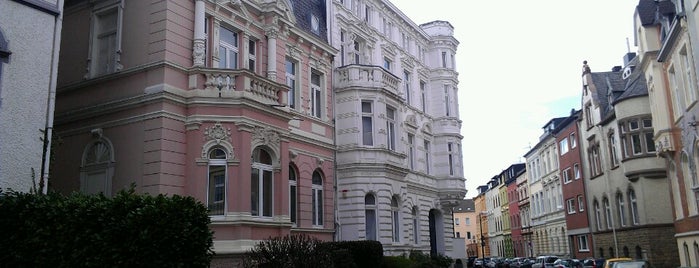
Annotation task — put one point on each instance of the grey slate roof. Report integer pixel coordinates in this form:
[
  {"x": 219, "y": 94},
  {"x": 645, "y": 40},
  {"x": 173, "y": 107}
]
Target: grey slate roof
[
  {"x": 647, "y": 10},
  {"x": 635, "y": 84},
  {"x": 612, "y": 83},
  {"x": 466, "y": 205}
]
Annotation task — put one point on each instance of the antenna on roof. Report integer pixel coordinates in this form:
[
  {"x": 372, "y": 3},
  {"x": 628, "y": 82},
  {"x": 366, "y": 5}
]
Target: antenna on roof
[{"x": 628, "y": 47}]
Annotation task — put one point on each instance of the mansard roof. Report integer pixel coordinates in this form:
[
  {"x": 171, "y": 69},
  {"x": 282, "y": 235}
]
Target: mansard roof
[
  {"x": 466, "y": 205},
  {"x": 635, "y": 84}
]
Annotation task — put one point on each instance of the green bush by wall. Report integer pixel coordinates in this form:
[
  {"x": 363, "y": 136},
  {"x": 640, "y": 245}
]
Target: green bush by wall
[{"x": 127, "y": 230}]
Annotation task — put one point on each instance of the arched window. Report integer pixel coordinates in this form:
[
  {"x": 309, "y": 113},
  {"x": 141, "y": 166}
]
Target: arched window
[
  {"x": 626, "y": 252},
  {"x": 370, "y": 216},
  {"x": 633, "y": 207},
  {"x": 217, "y": 180},
  {"x": 611, "y": 252},
  {"x": 622, "y": 209},
  {"x": 261, "y": 192},
  {"x": 598, "y": 214},
  {"x": 639, "y": 252},
  {"x": 696, "y": 253},
  {"x": 601, "y": 252},
  {"x": 293, "y": 192},
  {"x": 97, "y": 168},
  {"x": 607, "y": 212},
  {"x": 317, "y": 198},
  {"x": 687, "y": 259},
  {"x": 416, "y": 226},
  {"x": 395, "y": 218}
]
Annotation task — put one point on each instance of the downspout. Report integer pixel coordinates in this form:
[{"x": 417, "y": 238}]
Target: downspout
[
  {"x": 51, "y": 105},
  {"x": 330, "y": 21}
]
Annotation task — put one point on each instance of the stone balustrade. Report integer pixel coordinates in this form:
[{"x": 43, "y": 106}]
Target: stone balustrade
[
  {"x": 366, "y": 76},
  {"x": 228, "y": 82}
]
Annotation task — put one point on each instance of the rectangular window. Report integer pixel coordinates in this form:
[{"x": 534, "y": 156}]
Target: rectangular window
[
  {"x": 573, "y": 140},
  {"x": 588, "y": 115},
  {"x": 217, "y": 189},
  {"x": 411, "y": 151},
  {"x": 467, "y": 221},
  {"x": 576, "y": 171},
  {"x": 582, "y": 243},
  {"x": 563, "y": 146},
  {"x": 451, "y": 158},
  {"x": 391, "y": 128},
  {"x": 581, "y": 203},
  {"x": 427, "y": 157},
  {"x": 444, "y": 60},
  {"x": 228, "y": 49},
  {"x": 105, "y": 43},
  {"x": 406, "y": 84},
  {"x": 292, "y": 200},
  {"x": 387, "y": 64},
  {"x": 356, "y": 51},
  {"x": 447, "y": 101},
  {"x": 458, "y": 235},
  {"x": 424, "y": 97},
  {"x": 367, "y": 123},
  {"x": 317, "y": 203},
  {"x": 456, "y": 221},
  {"x": 370, "y": 223},
  {"x": 252, "y": 48},
  {"x": 614, "y": 157},
  {"x": 291, "y": 82},
  {"x": 571, "y": 205},
  {"x": 342, "y": 47},
  {"x": 567, "y": 175},
  {"x": 316, "y": 94}
]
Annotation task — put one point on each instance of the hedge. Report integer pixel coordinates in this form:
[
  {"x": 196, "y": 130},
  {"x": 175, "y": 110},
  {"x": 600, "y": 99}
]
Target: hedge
[{"x": 127, "y": 230}]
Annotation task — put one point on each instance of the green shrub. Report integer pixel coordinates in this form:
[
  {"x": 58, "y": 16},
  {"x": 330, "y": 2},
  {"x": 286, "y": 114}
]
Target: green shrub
[
  {"x": 424, "y": 260},
  {"x": 79, "y": 230},
  {"x": 363, "y": 253},
  {"x": 397, "y": 262},
  {"x": 288, "y": 251}
]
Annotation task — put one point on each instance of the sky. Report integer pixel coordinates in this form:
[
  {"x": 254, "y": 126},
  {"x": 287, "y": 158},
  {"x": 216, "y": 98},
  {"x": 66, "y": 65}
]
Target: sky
[{"x": 520, "y": 65}]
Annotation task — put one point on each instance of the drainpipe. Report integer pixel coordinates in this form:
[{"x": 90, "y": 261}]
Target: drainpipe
[{"x": 51, "y": 105}]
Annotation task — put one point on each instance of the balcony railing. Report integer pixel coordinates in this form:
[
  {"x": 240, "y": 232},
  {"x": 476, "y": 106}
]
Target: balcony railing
[
  {"x": 227, "y": 83},
  {"x": 366, "y": 77}
]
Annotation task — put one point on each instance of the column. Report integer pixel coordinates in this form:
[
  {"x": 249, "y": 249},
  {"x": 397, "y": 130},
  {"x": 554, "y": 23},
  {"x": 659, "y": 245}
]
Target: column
[
  {"x": 198, "y": 48},
  {"x": 272, "y": 34}
]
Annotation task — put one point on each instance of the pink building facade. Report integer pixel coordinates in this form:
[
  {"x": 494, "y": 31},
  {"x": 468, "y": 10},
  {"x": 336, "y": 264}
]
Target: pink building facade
[{"x": 225, "y": 101}]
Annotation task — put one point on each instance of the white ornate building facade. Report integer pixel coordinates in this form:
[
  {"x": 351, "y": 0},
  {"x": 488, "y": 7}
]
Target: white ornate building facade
[{"x": 399, "y": 169}]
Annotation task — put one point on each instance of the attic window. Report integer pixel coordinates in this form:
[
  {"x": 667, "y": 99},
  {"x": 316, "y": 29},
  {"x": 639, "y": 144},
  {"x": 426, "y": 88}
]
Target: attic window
[{"x": 315, "y": 24}]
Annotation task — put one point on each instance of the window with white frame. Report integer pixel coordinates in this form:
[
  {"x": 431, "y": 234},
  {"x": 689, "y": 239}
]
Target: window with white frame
[
  {"x": 261, "y": 181},
  {"x": 576, "y": 171},
  {"x": 428, "y": 161},
  {"x": 315, "y": 24},
  {"x": 598, "y": 214},
  {"x": 316, "y": 94},
  {"x": 416, "y": 226},
  {"x": 582, "y": 243},
  {"x": 423, "y": 94},
  {"x": 607, "y": 213},
  {"x": 613, "y": 155},
  {"x": 567, "y": 175},
  {"x": 677, "y": 92},
  {"x": 367, "y": 123},
  {"x": 687, "y": 76},
  {"x": 456, "y": 221},
  {"x": 594, "y": 159},
  {"x": 105, "y": 41},
  {"x": 228, "y": 49},
  {"x": 563, "y": 146},
  {"x": 317, "y": 199},
  {"x": 633, "y": 205},
  {"x": 637, "y": 137},
  {"x": 406, "y": 85},
  {"x": 467, "y": 221},
  {"x": 216, "y": 198},
  {"x": 252, "y": 58},
  {"x": 391, "y": 128},
  {"x": 367, "y": 14},
  {"x": 342, "y": 46},
  {"x": 293, "y": 195},
  {"x": 621, "y": 207},
  {"x": 571, "y": 205},
  {"x": 370, "y": 217},
  {"x": 444, "y": 59},
  {"x": 356, "y": 52},
  {"x": 411, "y": 151},
  {"x": 589, "y": 122},
  {"x": 581, "y": 203},
  {"x": 291, "y": 82},
  {"x": 97, "y": 168},
  {"x": 395, "y": 218},
  {"x": 573, "y": 140},
  {"x": 387, "y": 63}
]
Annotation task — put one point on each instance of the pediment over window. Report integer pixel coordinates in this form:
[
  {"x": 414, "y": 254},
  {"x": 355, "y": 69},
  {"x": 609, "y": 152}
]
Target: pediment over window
[
  {"x": 236, "y": 8},
  {"x": 282, "y": 7},
  {"x": 411, "y": 121},
  {"x": 427, "y": 128}
]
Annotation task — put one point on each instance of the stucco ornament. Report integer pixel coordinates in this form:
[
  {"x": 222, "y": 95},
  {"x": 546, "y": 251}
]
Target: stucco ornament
[
  {"x": 265, "y": 136},
  {"x": 198, "y": 53},
  {"x": 218, "y": 133}
]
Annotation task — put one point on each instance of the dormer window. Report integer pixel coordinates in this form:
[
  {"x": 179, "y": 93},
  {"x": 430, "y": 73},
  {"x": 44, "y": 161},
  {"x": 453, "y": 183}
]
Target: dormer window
[{"x": 315, "y": 24}]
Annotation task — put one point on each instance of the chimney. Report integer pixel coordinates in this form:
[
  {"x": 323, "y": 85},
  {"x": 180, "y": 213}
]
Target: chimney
[
  {"x": 628, "y": 58},
  {"x": 616, "y": 68}
]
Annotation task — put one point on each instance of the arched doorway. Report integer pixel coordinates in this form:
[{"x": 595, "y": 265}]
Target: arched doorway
[{"x": 436, "y": 232}]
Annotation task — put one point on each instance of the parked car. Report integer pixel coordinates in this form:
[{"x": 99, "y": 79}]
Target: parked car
[
  {"x": 478, "y": 263},
  {"x": 610, "y": 262},
  {"x": 567, "y": 263},
  {"x": 544, "y": 262},
  {"x": 593, "y": 263},
  {"x": 525, "y": 263},
  {"x": 631, "y": 264}
]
